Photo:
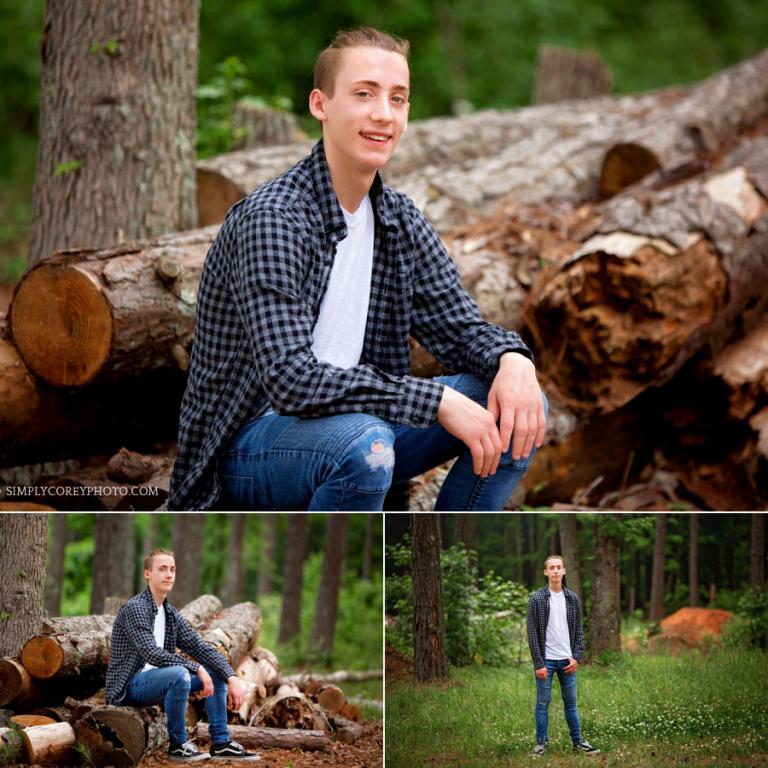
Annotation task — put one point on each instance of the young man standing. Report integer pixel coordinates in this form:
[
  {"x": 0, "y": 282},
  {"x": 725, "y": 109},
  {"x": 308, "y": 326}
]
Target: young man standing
[
  {"x": 299, "y": 393},
  {"x": 145, "y": 669},
  {"x": 556, "y": 642}
]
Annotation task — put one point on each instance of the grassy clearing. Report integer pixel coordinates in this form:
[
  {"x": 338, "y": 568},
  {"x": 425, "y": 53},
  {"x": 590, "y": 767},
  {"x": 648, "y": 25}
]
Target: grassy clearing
[{"x": 643, "y": 710}]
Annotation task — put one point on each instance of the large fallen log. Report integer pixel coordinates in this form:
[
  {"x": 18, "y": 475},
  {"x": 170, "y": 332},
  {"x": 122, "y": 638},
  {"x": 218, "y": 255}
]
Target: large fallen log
[
  {"x": 201, "y": 610},
  {"x": 280, "y": 738},
  {"x": 288, "y": 708},
  {"x": 341, "y": 676},
  {"x": 16, "y": 684},
  {"x": 458, "y": 168},
  {"x": 664, "y": 275},
  {"x": 120, "y": 735},
  {"x": 66, "y": 655},
  {"x": 49, "y": 744},
  {"x": 235, "y": 632}
]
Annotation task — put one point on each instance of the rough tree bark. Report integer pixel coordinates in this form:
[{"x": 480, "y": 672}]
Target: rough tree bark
[
  {"x": 54, "y": 574},
  {"x": 188, "y": 554},
  {"x": 658, "y": 569},
  {"x": 293, "y": 571},
  {"x": 23, "y": 541},
  {"x": 429, "y": 661},
  {"x": 235, "y": 631},
  {"x": 757, "y": 551},
  {"x": 693, "y": 560},
  {"x": 117, "y": 124},
  {"x": 664, "y": 274},
  {"x": 234, "y": 579},
  {"x": 464, "y": 529},
  {"x": 563, "y": 74},
  {"x": 113, "y": 558},
  {"x": 267, "y": 560},
  {"x": 605, "y": 617},
  {"x": 368, "y": 547},
  {"x": 571, "y": 553},
  {"x": 327, "y": 603}
]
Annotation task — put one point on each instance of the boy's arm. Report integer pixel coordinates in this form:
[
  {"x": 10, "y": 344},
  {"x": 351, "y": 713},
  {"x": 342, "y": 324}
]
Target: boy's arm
[
  {"x": 537, "y": 652},
  {"x": 578, "y": 650},
  {"x": 189, "y": 642},
  {"x": 266, "y": 276}
]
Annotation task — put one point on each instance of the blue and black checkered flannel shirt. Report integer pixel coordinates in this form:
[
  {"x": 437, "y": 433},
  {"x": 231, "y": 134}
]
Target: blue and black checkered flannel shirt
[
  {"x": 133, "y": 645},
  {"x": 538, "y": 618},
  {"x": 259, "y": 298}
]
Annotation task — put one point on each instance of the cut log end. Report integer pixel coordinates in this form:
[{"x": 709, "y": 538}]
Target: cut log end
[
  {"x": 62, "y": 324},
  {"x": 215, "y": 196},
  {"x": 624, "y": 165},
  {"x": 42, "y": 656},
  {"x": 49, "y": 744}
]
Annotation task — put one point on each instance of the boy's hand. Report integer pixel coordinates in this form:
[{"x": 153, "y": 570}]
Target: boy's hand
[
  {"x": 234, "y": 692},
  {"x": 541, "y": 673},
  {"x": 474, "y": 426},
  {"x": 515, "y": 402},
  {"x": 205, "y": 679},
  {"x": 571, "y": 668}
]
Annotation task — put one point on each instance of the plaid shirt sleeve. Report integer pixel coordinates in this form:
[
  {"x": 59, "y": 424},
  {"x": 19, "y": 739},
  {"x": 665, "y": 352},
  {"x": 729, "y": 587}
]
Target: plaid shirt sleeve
[
  {"x": 446, "y": 319},
  {"x": 537, "y": 628},
  {"x": 189, "y": 641},
  {"x": 267, "y": 276},
  {"x": 576, "y": 626}
]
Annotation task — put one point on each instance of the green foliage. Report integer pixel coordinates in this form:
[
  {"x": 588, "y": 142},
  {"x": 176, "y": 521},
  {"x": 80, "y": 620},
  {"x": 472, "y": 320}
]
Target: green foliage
[
  {"x": 638, "y": 712},
  {"x": 484, "y": 617},
  {"x": 749, "y": 627},
  {"x": 110, "y": 47},
  {"x": 68, "y": 167}
]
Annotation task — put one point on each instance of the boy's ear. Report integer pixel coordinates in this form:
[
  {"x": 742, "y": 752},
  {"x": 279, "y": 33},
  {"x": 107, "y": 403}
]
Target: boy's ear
[{"x": 317, "y": 105}]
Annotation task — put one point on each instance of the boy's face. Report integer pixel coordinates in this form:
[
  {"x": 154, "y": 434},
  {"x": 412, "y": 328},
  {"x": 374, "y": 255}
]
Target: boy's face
[
  {"x": 365, "y": 117},
  {"x": 554, "y": 571},
  {"x": 162, "y": 575}
]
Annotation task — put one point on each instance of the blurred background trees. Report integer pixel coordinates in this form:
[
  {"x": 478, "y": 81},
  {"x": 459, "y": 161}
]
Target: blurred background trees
[{"x": 464, "y": 56}]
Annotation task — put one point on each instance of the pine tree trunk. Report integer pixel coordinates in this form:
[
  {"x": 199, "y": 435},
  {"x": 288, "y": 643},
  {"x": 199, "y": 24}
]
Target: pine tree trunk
[
  {"x": 605, "y": 617},
  {"x": 113, "y": 558},
  {"x": 659, "y": 567},
  {"x": 233, "y": 585},
  {"x": 571, "y": 552},
  {"x": 326, "y": 606},
  {"x": 429, "y": 660},
  {"x": 757, "y": 551},
  {"x": 267, "y": 562},
  {"x": 293, "y": 572},
  {"x": 117, "y": 124},
  {"x": 693, "y": 560},
  {"x": 23, "y": 541},
  {"x": 368, "y": 547},
  {"x": 54, "y": 575},
  {"x": 188, "y": 553},
  {"x": 464, "y": 529}
]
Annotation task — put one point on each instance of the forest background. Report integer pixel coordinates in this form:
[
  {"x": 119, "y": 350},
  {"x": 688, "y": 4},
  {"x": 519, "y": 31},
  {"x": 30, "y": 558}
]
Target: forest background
[
  {"x": 646, "y": 697},
  {"x": 464, "y": 56}
]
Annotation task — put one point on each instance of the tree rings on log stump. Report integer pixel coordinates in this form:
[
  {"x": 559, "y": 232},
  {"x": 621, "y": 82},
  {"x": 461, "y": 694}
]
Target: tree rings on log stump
[
  {"x": 624, "y": 165},
  {"x": 62, "y": 324},
  {"x": 49, "y": 744},
  {"x": 16, "y": 683},
  {"x": 26, "y": 721}
]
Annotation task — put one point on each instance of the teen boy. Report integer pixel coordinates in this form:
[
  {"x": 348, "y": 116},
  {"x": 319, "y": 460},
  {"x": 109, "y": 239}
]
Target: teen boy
[
  {"x": 556, "y": 642},
  {"x": 145, "y": 669},
  {"x": 299, "y": 393}
]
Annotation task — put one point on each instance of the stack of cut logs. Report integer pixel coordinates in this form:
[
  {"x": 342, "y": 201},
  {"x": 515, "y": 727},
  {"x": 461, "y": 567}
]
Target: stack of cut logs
[
  {"x": 626, "y": 236},
  {"x": 53, "y": 695}
]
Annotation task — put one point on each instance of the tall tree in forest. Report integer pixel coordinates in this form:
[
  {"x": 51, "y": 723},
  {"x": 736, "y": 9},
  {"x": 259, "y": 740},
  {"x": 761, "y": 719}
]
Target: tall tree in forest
[
  {"x": 54, "y": 571},
  {"x": 188, "y": 552},
  {"x": 693, "y": 560},
  {"x": 327, "y": 603},
  {"x": 605, "y": 617},
  {"x": 429, "y": 660},
  {"x": 234, "y": 579},
  {"x": 116, "y": 157},
  {"x": 267, "y": 561},
  {"x": 757, "y": 551},
  {"x": 570, "y": 553},
  {"x": 464, "y": 529},
  {"x": 149, "y": 541},
  {"x": 659, "y": 567},
  {"x": 368, "y": 547},
  {"x": 293, "y": 572},
  {"x": 113, "y": 557},
  {"x": 23, "y": 541}
]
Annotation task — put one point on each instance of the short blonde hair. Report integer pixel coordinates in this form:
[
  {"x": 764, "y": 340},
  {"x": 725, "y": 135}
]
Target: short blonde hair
[
  {"x": 328, "y": 61},
  {"x": 554, "y": 557},
  {"x": 148, "y": 559}
]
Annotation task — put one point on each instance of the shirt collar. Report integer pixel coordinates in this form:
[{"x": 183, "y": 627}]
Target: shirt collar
[
  {"x": 330, "y": 210},
  {"x": 147, "y": 595}
]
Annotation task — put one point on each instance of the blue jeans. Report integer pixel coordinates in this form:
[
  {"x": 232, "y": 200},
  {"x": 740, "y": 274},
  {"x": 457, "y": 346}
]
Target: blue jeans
[
  {"x": 544, "y": 694},
  {"x": 349, "y": 461},
  {"x": 172, "y": 686}
]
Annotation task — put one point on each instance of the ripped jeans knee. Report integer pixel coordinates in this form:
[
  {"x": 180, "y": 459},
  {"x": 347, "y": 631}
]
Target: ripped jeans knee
[{"x": 368, "y": 460}]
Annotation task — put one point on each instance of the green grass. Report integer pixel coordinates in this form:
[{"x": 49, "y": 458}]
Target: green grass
[{"x": 643, "y": 710}]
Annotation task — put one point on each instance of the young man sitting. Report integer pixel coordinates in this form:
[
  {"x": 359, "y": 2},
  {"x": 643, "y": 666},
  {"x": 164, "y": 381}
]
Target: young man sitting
[
  {"x": 145, "y": 669},
  {"x": 299, "y": 393}
]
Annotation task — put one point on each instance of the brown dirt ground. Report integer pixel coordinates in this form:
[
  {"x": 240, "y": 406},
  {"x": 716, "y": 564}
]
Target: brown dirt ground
[
  {"x": 368, "y": 752},
  {"x": 397, "y": 668}
]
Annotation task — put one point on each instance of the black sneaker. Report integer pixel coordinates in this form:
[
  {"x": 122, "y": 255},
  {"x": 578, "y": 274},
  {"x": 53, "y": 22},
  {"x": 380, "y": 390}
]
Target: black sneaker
[
  {"x": 540, "y": 749},
  {"x": 232, "y": 751},
  {"x": 586, "y": 748},
  {"x": 186, "y": 753}
]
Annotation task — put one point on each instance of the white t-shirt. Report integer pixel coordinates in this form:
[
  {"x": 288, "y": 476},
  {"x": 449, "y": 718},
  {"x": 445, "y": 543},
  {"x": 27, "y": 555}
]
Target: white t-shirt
[
  {"x": 159, "y": 632},
  {"x": 339, "y": 331},
  {"x": 557, "y": 645}
]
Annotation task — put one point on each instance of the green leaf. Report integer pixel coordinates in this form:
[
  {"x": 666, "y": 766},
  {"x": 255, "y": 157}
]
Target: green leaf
[{"x": 68, "y": 167}]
